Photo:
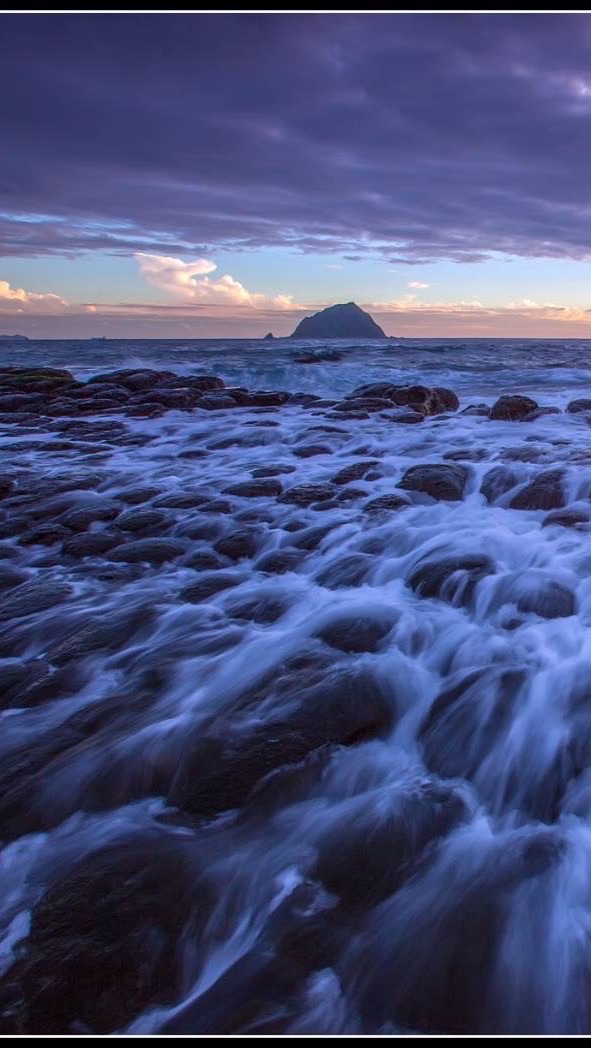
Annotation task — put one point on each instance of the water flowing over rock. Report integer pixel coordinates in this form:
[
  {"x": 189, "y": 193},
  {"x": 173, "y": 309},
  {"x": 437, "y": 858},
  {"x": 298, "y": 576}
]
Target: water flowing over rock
[{"x": 295, "y": 718}]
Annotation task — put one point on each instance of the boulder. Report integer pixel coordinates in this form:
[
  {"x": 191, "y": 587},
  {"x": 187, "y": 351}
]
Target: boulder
[
  {"x": 512, "y": 408},
  {"x": 437, "y": 480}
]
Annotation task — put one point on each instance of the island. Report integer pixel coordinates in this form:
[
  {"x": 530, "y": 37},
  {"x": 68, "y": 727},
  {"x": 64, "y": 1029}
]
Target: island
[
  {"x": 346, "y": 320},
  {"x": 13, "y": 338},
  {"x": 268, "y": 337}
]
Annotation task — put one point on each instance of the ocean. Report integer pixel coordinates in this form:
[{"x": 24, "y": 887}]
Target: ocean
[{"x": 319, "y": 761}]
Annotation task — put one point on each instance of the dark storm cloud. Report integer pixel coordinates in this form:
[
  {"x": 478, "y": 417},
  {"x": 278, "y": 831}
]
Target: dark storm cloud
[{"x": 410, "y": 137}]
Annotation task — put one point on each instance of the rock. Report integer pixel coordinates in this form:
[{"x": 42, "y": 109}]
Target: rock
[
  {"x": 467, "y": 718},
  {"x": 467, "y": 455},
  {"x": 309, "y": 450},
  {"x": 356, "y": 471},
  {"x": 477, "y": 409},
  {"x": 498, "y": 482},
  {"x": 266, "y": 399},
  {"x": 427, "y": 401},
  {"x": 512, "y": 408},
  {"x": 367, "y": 854},
  {"x": 33, "y": 597},
  {"x": 142, "y": 520},
  {"x": 268, "y": 337},
  {"x": 238, "y": 544},
  {"x": 272, "y": 471},
  {"x": 217, "y": 402},
  {"x": 356, "y": 633},
  {"x": 438, "y": 481},
  {"x": 534, "y": 592},
  {"x": 203, "y": 560},
  {"x": 566, "y": 518},
  {"x": 351, "y": 570},
  {"x": 316, "y": 704},
  {"x": 262, "y": 610},
  {"x": 106, "y": 635},
  {"x": 45, "y": 535},
  {"x": 105, "y": 939},
  {"x": 305, "y": 494},
  {"x": 277, "y": 562},
  {"x": 133, "y": 379},
  {"x": 340, "y": 321},
  {"x": 258, "y": 488},
  {"x": 11, "y": 577},
  {"x": 81, "y": 519},
  {"x": 208, "y": 586},
  {"x": 452, "y": 578},
  {"x": 385, "y": 503},
  {"x": 577, "y": 406},
  {"x": 544, "y": 492},
  {"x": 135, "y": 496},
  {"x": 93, "y": 544},
  {"x": 151, "y": 551}
]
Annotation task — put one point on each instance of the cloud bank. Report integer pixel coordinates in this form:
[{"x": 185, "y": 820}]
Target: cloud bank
[{"x": 410, "y": 137}]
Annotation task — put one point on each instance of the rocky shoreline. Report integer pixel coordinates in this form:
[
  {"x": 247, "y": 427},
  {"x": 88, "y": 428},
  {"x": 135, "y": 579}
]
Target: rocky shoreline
[{"x": 219, "y": 600}]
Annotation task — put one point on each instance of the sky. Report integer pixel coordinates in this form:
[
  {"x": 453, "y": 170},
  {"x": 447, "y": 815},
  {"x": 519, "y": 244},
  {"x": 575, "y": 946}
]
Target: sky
[{"x": 211, "y": 176}]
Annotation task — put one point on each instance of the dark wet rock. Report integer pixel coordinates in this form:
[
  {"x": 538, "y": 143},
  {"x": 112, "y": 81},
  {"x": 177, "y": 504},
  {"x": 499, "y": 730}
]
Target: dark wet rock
[
  {"x": 256, "y": 488},
  {"x": 452, "y": 579},
  {"x": 467, "y": 455},
  {"x": 439, "y": 481},
  {"x": 351, "y": 570},
  {"x": 202, "y": 382},
  {"x": 180, "y": 500},
  {"x": 384, "y": 390},
  {"x": 356, "y": 471},
  {"x": 21, "y": 402},
  {"x": 468, "y": 717},
  {"x": 142, "y": 520},
  {"x": 305, "y": 494},
  {"x": 15, "y": 677},
  {"x": 32, "y": 597},
  {"x": 208, "y": 586},
  {"x": 95, "y": 957},
  {"x": 266, "y": 399},
  {"x": 107, "y": 634},
  {"x": 351, "y": 494},
  {"x": 577, "y": 406},
  {"x": 277, "y": 562},
  {"x": 310, "y": 538},
  {"x": 133, "y": 379},
  {"x": 566, "y": 518},
  {"x": 497, "y": 482},
  {"x": 81, "y": 519},
  {"x": 92, "y": 544},
  {"x": 272, "y": 471},
  {"x": 152, "y": 551},
  {"x": 45, "y": 535},
  {"x": 135, "y": 496},
  {"x": 512, "y": 408},
  {"x": 310, "y": 450},
  {"x": 477, "y": 409},
  {"x": 369, "y": 852},
  {"x": 430, "y": 965},
  {"x": 357, "y": 632},
  {"x": 238, "y": 544},
  {"x": 262, "y": 609},
  {"x": 203, "y": 560},
  {"x": 534, "y": 592},
  {"x": 361, "y": 404},
  {"x": 6, "y": 486},
  {"x": 541, "y": 412},
  {"x": 385, "y": 503},
  {"x": 217, "y": 402},
  {"x": 218, "y": 506},
  {"x": 523, "y": 454},
  {"x": 544, "y": 492},
  {"x": 11, "y": 576},
  {"x": 427, "y": 401},
  {"x": 324, "y": 705}
]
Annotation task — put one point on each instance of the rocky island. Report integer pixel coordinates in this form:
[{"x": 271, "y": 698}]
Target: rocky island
[{"x": 345, "y": 320}]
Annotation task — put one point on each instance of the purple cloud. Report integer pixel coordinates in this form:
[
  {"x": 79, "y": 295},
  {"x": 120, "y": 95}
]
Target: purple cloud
[{"x": 408, "y": 137}]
